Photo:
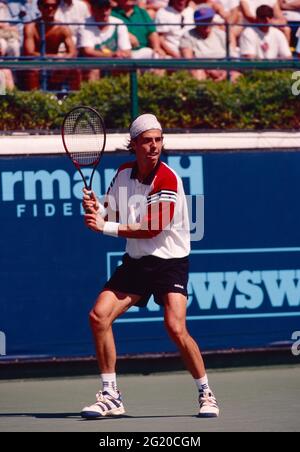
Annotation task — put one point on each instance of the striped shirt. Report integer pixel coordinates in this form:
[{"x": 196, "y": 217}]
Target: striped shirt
[{"x": 159, "y": 204}]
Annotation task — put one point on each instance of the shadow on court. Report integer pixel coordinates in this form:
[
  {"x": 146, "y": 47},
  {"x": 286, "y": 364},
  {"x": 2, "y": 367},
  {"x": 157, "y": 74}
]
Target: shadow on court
[
  {"x": 76, "y": 415},
  {"x": 250, "y": 399}
]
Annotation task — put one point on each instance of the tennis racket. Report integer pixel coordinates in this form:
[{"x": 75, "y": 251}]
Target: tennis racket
[{"x": 84, "y": 137}]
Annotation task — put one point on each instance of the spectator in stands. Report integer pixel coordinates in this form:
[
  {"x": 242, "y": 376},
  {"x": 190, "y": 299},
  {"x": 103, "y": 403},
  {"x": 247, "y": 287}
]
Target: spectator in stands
[
  {"x": 249, "y": 8},
  {"x": 9, "y": 34},
  {"x": 264, "y": 42},
  {"x": 144, "y": 40},
  {"x": 291, "y": 12},
  {"x": 205, "y": 41},
  {"x": 171, "y": 26},
  {"x": 103, "y": 40},
  {"x": 72, "y": 11},
  {"x": 55, "y": 35},
  {"x": 228, "y": 11}
]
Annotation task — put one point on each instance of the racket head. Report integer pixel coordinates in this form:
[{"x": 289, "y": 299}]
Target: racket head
[{"x": 83, "y": 136}]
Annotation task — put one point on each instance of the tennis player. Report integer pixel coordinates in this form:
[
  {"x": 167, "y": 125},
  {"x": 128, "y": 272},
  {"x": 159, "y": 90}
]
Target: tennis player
[{"x": 145, "y": 204}]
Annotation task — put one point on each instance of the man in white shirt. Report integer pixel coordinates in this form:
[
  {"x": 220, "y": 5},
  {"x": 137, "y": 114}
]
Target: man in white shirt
[
  {"x": 205, "y": 41},
  {"x": 264, "y": 42},
  {"x": 172, "y": 22},
  {"x": 249, "y": 8},
  {"x": 145, "y": 204},
  {"x": 105, "y": 40},
  {"x": 72, "y": 11}
]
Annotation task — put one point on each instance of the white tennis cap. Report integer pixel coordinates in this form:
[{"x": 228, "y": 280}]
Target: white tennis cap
[{"x": 143, "y": 123}]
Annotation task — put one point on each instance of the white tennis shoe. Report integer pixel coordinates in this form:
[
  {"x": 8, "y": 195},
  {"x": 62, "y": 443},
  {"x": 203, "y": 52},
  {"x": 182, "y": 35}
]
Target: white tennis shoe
[
  {"x": 106, "y": 405},
  {"x": 208, "y": 404}
]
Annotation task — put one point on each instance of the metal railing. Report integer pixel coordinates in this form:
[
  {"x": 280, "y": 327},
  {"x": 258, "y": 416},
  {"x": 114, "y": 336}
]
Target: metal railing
[{"x": 133, "y": 66}]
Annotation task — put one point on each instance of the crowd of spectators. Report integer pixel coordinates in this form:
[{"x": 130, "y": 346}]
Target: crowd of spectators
[{"x": 260, "y": 29}]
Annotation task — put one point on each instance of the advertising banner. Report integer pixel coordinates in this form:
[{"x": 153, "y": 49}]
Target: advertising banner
[{"x": 244, "y": 285}]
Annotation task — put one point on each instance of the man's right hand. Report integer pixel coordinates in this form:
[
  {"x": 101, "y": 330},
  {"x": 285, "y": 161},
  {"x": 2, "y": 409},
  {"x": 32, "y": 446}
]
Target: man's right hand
[
  {"x": 90, "y": 202},
  {"x": 134, "y": 41}
]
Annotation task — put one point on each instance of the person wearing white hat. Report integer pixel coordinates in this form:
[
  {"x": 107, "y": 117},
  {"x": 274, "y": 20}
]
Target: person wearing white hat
[{"x": 146, "y": 205}]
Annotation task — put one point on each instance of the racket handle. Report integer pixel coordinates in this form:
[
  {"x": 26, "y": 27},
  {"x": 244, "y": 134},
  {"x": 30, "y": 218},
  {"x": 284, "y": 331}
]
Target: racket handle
[{"x": 89, "y": 193}]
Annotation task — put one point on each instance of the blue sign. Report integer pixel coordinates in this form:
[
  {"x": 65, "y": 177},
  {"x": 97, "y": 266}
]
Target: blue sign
[{"x": 244, "y": 285}]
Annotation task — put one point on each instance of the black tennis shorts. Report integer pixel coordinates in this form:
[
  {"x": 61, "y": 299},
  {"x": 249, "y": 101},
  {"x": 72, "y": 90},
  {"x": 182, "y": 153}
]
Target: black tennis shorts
[{"x": 150, "y": 275}]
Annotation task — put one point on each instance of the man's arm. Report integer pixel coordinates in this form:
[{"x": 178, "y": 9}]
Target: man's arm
[
  {"x": 166, "y": 48},
  {"x": 71, "y": 51},
  {"x": 29, "y": 46},
  {"x": 187, "y": 52},
  {"x": 124, "y": 45},
  {"x": 292, "y": 5},
  {"x": 246, "y": 11},
  {"x": 95, "y": 53},
  {"x": 156, "y": 220},
  {"x": 278, "y": 14},
  {"x": 284, "y": 50},
  {"x": 154, "y": 42}
]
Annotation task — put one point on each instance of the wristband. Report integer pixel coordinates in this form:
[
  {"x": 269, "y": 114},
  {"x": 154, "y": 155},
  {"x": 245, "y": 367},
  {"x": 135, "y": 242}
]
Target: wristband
[{"x": 111, "y": 228}]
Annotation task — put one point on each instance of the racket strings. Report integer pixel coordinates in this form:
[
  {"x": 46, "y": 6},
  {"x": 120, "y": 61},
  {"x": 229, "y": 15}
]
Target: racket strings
[{"x": 84, "y": 136}]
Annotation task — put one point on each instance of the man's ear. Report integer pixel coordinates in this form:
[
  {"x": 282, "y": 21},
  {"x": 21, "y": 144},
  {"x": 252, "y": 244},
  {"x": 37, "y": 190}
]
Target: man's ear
[{"x": 133, "y": 145}]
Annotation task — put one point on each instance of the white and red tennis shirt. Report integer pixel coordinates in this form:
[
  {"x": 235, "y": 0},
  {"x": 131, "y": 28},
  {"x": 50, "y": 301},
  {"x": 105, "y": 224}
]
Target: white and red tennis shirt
[{"x": 159, "y": 204}]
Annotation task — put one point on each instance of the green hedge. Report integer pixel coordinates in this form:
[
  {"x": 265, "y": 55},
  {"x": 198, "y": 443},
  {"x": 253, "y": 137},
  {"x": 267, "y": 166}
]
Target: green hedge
[{"x": 259, "y": 100}]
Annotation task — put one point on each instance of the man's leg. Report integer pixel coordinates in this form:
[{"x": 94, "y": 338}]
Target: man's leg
[
  {"x": 109, "y": 305},
  {"x": 175, "y": 321}
]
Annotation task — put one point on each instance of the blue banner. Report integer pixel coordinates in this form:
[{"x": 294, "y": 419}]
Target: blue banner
[{"x": 244, "y": 286}]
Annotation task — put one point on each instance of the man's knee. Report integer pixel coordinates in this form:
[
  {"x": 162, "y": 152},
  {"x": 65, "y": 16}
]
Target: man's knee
[
  {"x": 99, "y": 320},
  {"x": 176, "y": 330}
]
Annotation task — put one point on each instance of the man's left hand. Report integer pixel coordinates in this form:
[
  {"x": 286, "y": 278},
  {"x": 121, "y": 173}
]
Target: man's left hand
[{"x": 94, "y": 221}]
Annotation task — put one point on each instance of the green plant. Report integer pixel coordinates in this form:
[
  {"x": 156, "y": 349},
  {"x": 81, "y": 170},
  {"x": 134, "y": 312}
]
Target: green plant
[{"x": 257, "y": 101}]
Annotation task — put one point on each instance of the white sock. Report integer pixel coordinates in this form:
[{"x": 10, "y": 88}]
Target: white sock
[
  {"x": 202, "y": 383},
  {"x": 109, "y": 383}
]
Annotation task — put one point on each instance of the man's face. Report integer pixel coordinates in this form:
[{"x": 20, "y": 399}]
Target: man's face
[
  {"x": 101, "y": 14},
  {"x": 264, "y": 20},
  {"x": 48, "y": 9},
  {"x": 179, "y": 5},
  {"x": 203, "y": 30},
  {"x": 147, "y": 147}
]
